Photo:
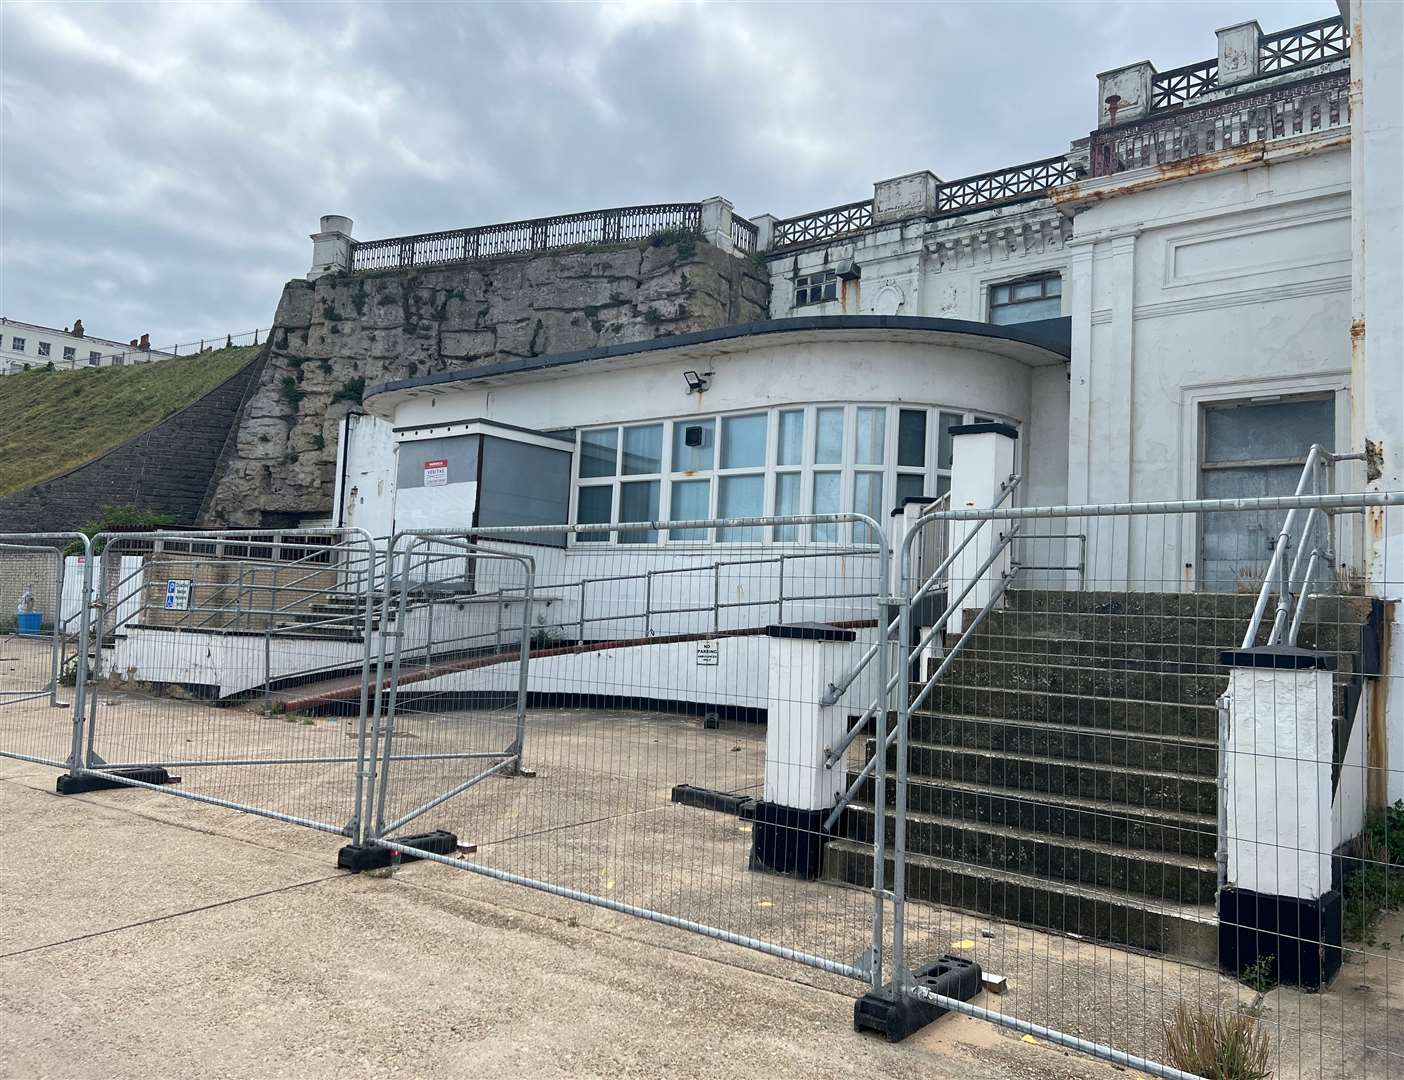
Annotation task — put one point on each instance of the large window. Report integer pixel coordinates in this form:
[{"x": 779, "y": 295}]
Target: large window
[
  {"x": 787, "y": 461},
  {"x": 1025, "y": 301}
]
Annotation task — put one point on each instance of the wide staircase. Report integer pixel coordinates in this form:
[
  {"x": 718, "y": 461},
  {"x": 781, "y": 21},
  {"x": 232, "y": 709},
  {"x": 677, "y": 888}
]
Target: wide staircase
[{"x": 1063, "y": 773}]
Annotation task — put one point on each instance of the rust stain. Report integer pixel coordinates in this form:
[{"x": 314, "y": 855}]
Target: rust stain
[
  {"x": 1199, "y": 165},
  {"x": 1376, "y": 757},
  {"x": 1357, "y": 329},
  {"x": 844, "y": 290}
]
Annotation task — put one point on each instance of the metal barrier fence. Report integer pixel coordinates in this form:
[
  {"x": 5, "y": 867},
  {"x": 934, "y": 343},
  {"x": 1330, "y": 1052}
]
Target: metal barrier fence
[
  {"x": 587, "y": 720},
  {"x": 1138, "y": 818},
  {"x": 35, "y": 568},
  {"x": 199, "y": 640},
  {"x": 1133, "y": 761}
]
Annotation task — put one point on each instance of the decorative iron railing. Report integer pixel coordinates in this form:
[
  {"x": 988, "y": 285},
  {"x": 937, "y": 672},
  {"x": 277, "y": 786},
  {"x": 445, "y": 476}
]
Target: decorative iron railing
[
  {"x": 1297, "y": 47},
  {"x": 1319, "y": 103},
  {"x": 1310, "y": 43},
  {"x": 1178, "y": 85},
  {"x": 1017, "y": 183},
  {"x": 822, "y": 224},
  {"x": 743, "y": 235},
  {"x": 619, "y": 225}
]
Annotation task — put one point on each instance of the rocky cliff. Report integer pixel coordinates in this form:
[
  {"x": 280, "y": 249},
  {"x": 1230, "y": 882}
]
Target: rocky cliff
[{"x": 333, "y": 338}]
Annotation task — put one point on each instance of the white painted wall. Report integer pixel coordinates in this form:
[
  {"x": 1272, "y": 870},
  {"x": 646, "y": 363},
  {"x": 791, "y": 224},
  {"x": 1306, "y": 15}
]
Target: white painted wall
[
  {"x": 365, "y": 474},
  {"x": 1377, "y": 231},
  {"x": 1279, "y": 815},
  {"x": 1218, "y": 287},
  {"x": 821, "y": 367}
]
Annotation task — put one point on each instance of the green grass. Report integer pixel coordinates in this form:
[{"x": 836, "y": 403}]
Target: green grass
[{"x": 53, "y": 421}]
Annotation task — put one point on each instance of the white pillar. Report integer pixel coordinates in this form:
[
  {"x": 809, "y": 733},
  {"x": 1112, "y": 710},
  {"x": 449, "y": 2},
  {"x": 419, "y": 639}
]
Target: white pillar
[
  {"x": 1276, "y": 900},
  {"x": 716, "y": 223},
  {"x": 800, "y": 790},
  {"x": 765, "y": 230},
  {"x": 982, "y": 461},
  {"x": 331, "y": 247},
  {"x": 1238, "y": 52},
  {"x": 1124, "y": 93}
]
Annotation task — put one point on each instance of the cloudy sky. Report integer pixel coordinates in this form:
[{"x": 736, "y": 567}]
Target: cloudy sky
[{"x": 161, "y": 166}]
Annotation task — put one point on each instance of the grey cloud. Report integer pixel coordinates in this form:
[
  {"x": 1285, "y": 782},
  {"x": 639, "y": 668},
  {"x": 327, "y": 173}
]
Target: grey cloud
[{"x": 161, "y": 166}]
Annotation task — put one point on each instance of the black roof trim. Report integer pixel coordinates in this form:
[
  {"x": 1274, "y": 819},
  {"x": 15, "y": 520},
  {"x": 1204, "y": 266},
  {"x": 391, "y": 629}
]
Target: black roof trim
[
  {"x": 984, "y": 428},
  {"x": 1051, "y": 335}
]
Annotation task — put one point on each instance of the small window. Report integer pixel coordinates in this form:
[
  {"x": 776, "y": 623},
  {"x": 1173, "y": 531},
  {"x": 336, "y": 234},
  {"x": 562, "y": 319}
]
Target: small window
[
  {"x": 69, "y": 353},
  {"x": 1027, "y": 300},
  {"x": 816, "y": 288},
  {"x": 94, "y": 357},
  {"x": 17, "y": 343},
  {"x": 43, "y": 348}
]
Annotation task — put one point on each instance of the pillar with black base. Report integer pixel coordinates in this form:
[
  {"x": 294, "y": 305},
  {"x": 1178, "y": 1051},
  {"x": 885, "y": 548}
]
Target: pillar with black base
[
  {"x": 1276, "y": 906},
  {"x": 799, "y": 792},
  {"x": 983, "y": 459}
]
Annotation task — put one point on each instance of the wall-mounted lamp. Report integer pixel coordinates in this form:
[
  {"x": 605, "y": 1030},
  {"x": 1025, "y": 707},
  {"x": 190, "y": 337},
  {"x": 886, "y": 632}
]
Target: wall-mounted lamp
[{"x": 697, "y": 383}]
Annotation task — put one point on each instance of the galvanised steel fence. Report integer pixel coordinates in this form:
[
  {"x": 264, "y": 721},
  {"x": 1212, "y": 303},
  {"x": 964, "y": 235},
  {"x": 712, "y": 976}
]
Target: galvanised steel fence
[
  {"x": 1128, "y": 764},
  {"x": 42, "y": 576},
  {"x": 591, "y": 719},
  {"x": 1164, "y": 793}
]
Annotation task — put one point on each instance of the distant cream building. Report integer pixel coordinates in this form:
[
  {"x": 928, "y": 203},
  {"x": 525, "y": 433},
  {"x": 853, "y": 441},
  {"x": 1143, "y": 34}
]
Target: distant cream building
[{"x": 25, "y": 346}]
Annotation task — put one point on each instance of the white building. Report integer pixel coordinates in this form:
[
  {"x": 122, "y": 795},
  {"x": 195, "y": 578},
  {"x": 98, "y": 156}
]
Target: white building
[
  {"x": 25, "y": 346},
  {"x": 1177, "y": 282}
]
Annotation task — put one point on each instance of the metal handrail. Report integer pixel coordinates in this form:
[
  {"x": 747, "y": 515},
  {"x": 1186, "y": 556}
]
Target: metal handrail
[
  {"x": 1291, "y": 597},
  {"x": 833, "y": 755},
  {"x": 836, "y": 690}
]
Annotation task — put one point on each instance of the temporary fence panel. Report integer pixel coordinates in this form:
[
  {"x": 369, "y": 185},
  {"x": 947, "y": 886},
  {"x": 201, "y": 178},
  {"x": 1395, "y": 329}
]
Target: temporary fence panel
[
  {"x": 239, "y": 662},
  {"x": 662, "y": 751},
  {"x": 1138, "y": 798},
  {"x": 40, "y": 652}
]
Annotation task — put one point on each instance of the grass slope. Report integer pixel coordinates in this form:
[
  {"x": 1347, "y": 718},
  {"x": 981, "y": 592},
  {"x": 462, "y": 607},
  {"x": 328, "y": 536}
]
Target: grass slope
[{"x": 54, "y": 421}]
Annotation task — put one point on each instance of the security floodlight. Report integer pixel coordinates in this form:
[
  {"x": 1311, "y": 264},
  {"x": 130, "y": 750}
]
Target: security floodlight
[{"x": 696, "y": 383}]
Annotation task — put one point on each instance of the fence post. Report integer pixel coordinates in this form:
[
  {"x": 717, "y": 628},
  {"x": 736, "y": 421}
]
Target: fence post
[
  {"x": 80, "y": 678},
  {"x": 56, "y": 660}
]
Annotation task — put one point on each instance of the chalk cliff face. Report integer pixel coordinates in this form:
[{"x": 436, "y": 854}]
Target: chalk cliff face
[{"x": 333, "y": 338}]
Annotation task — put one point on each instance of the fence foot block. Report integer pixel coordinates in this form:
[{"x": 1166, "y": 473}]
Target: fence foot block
[
  {"x": 895, "y": 1015},
  {"x": 361, "y": 857},
  {"x": 724, "y": 802},
  {"x": 68, "y": 784}
]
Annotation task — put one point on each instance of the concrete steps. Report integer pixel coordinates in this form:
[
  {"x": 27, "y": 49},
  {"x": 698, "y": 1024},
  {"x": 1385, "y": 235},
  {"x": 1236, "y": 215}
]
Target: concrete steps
[
  {"x": 1105, "y": 915},
  {"x": 1061, "y": 860},
  {"x": 1063, "y": 773}
]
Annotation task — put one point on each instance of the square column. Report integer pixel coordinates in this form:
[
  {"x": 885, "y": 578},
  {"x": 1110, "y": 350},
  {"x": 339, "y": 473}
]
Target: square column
[
  {"x": 1276, "y": 899},
  {"x": 800, "y": 790},
  {"x": 982, "y": 460}
]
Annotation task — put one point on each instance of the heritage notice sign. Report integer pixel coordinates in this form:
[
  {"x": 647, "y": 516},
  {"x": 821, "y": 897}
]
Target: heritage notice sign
[
  {"x": 708, "y": 654},
  {"x": 436, "y": 473},
  {"x": 178, "y": 594}
]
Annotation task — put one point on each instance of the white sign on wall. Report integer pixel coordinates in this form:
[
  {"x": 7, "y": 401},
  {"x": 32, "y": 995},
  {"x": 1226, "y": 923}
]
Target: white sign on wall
[
  {"x": 178, "y": 594},
  {"x": 436, "y": 473},
  {"x": 708, "y": 654}
]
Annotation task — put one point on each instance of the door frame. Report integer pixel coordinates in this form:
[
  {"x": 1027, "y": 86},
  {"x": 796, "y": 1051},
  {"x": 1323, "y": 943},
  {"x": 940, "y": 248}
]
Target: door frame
[{"x": 1193, "y": 400}]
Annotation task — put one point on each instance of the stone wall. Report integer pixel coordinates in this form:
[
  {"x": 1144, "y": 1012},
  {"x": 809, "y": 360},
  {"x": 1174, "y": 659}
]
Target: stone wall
[
  {"x": 334, "y": 337},
  {"x": 166, "y": 469}
]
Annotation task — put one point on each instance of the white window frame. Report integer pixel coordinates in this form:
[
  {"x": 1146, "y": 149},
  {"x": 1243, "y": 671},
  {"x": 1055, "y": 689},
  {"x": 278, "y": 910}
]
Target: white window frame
[
  {"x": 932, "y": 471},
  {"x": 44, "y": 348}
]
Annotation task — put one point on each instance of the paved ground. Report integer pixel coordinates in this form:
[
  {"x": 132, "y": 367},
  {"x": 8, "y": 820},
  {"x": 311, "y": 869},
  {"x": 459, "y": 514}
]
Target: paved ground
[
  {"x": 148, "y": 934},
  {"x": 142, "y": 939}
]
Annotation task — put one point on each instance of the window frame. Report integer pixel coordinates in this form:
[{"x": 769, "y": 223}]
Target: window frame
[
  {"x": 935, "y": 476},
  {"x": 1043, "y": 277},
  {"x": 44, "y": 348},
  {"x": 823, "y": 279}
]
